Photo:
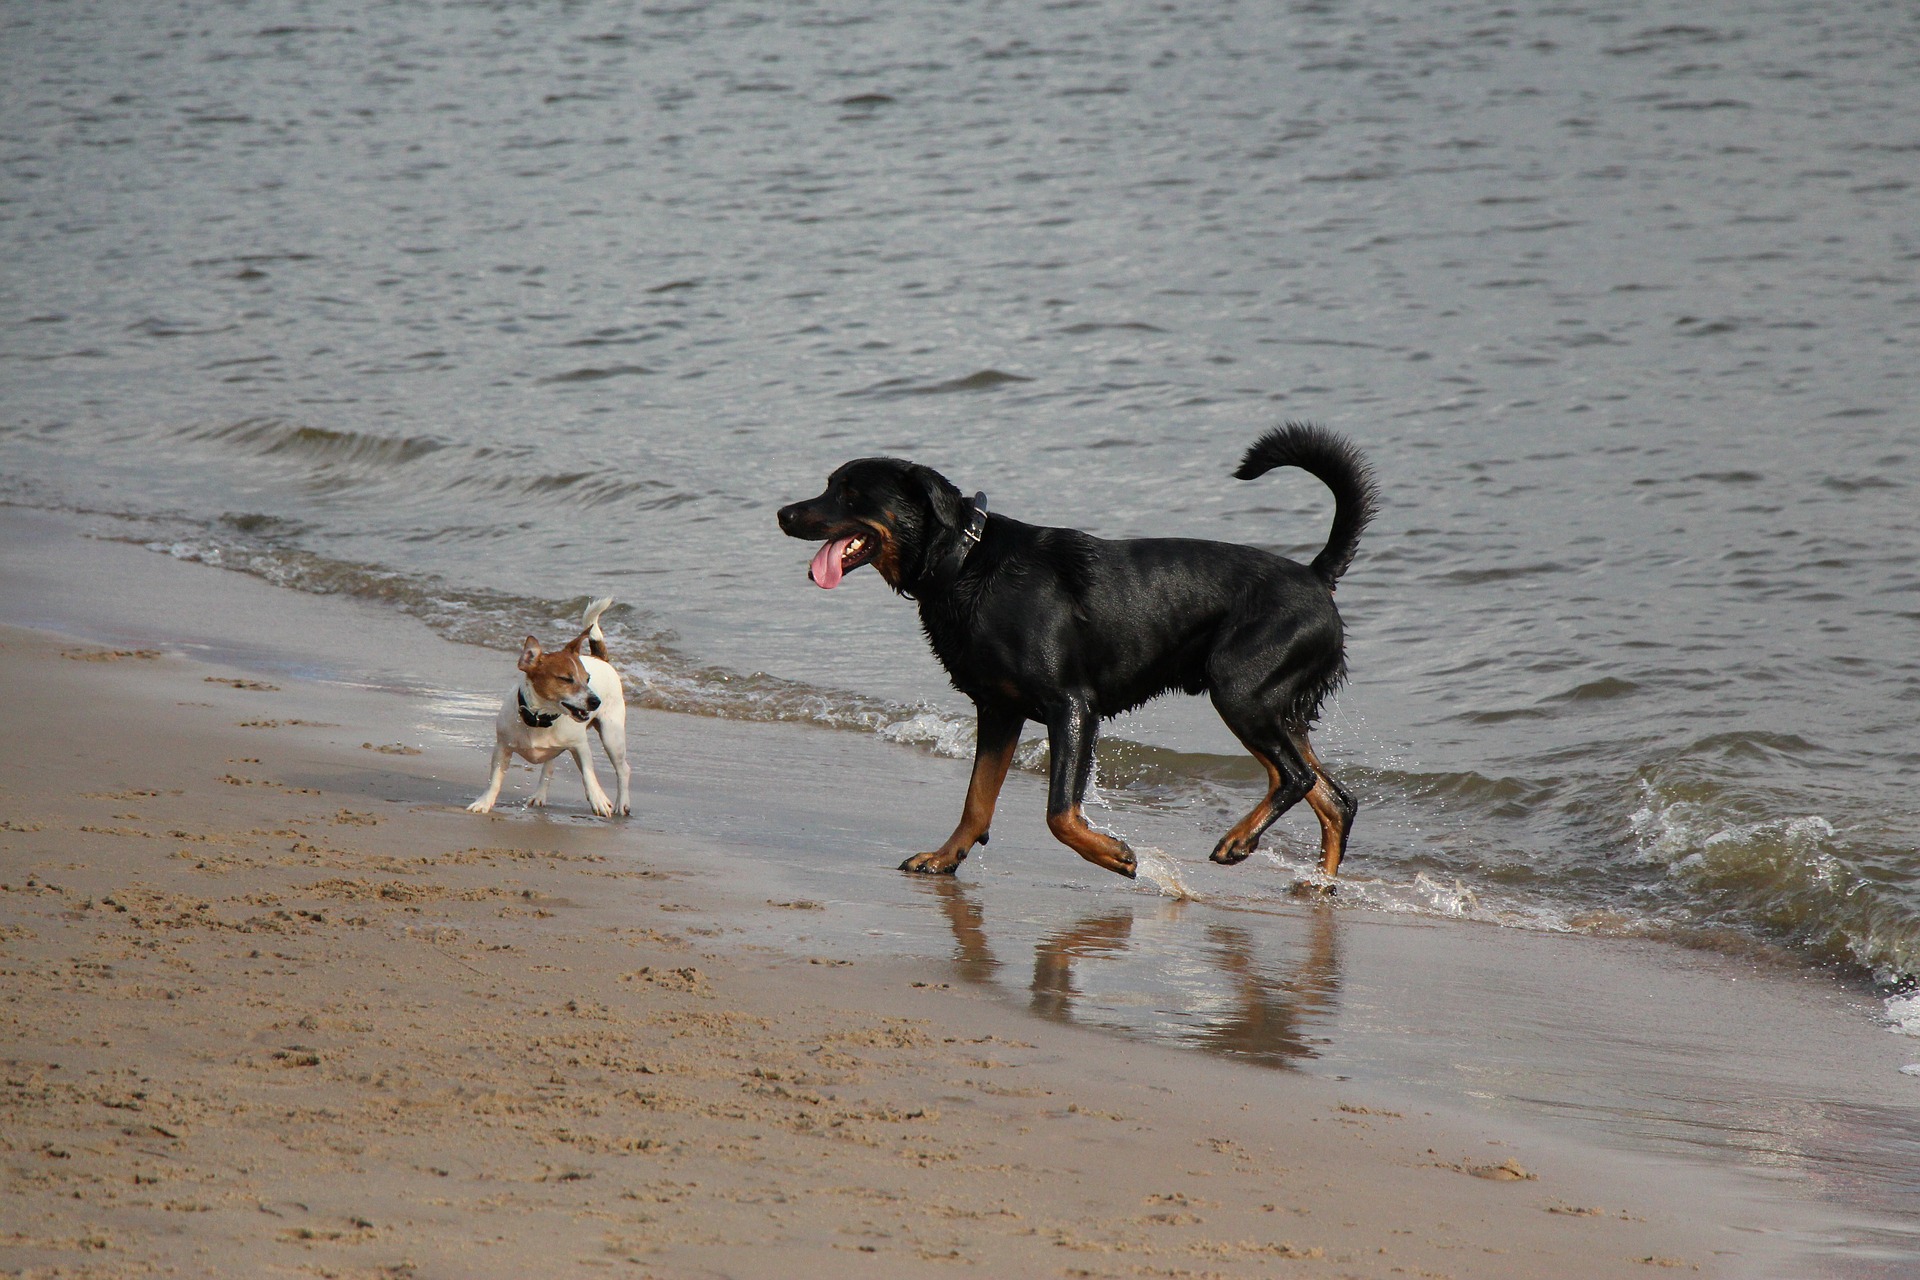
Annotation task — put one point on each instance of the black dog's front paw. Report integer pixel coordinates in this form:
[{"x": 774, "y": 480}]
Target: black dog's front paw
[
  {"x": 1230, "y": 852},
  {"x": 934, "y": 864}
]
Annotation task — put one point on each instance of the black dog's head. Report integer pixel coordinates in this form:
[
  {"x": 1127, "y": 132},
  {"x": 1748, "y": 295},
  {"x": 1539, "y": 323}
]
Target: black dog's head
[{"x": 898, "y": 516}]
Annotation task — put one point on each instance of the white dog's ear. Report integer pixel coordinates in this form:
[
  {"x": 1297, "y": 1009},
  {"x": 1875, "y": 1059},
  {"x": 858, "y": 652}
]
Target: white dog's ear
[
  {"x": 530, "y": 653},
  {"x": 573, "y": 645}
]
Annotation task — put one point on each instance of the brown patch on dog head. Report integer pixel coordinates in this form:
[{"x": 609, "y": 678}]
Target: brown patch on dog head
[
  {"x": 554, "y": 675},
  {"x": 886, "y": 561}
]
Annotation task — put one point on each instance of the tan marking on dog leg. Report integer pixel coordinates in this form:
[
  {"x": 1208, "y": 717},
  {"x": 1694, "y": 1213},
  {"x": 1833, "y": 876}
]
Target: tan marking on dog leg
[
  {"x": 1326, "y": 805},
  {"x": 976, "y": 815},
  {"x": 1244, "y": 837},
  {"x": 1071, "y": 829}
]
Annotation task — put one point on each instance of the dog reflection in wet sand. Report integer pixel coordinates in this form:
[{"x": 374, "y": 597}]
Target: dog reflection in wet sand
[
  {"x": 1270, "y": 1017},
  {"x": 1061, "y": 627}
]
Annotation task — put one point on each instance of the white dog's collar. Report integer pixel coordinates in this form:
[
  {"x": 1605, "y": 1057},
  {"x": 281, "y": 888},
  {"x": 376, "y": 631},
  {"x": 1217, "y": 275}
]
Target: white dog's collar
[{"x": 536, "y": 719}]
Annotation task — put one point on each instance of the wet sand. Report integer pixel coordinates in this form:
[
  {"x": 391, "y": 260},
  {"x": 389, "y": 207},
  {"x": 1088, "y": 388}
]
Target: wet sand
[{"x": 276, "y": 1005}]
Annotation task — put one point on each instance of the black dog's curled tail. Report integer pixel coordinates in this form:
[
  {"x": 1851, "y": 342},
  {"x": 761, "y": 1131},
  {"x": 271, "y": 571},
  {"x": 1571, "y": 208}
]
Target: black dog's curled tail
[{"x": 1339, "y": 466}]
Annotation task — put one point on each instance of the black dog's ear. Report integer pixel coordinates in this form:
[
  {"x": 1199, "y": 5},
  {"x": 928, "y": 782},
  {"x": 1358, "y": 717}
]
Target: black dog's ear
[{"x": 943, "y": 498}]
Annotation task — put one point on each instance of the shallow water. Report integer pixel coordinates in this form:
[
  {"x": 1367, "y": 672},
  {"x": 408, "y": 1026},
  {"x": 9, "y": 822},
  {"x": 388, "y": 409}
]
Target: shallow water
[{"x": 476, "y": 310}]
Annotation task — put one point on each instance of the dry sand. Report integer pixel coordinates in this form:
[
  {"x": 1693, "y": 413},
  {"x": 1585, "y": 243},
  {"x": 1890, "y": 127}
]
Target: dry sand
[{"x": 259, "y": 1020}]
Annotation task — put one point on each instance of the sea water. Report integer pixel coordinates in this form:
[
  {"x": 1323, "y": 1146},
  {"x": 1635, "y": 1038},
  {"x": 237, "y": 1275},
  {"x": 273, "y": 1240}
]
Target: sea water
[{"x": 478, "y": 310}]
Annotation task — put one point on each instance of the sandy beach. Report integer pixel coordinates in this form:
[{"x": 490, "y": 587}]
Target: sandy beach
[{"x": 276, "y": 1005}]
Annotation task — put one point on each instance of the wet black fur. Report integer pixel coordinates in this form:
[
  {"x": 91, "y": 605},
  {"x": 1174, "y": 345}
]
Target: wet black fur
[{"x": 1061, "y": 627}]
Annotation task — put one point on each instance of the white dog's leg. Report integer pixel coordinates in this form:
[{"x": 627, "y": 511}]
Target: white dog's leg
[
  {"x": 613, "y": 738},
  {"x": 595, "y": 796},
  {"x": 538, "y": 800},
  {"x": 496, "y": 775}
]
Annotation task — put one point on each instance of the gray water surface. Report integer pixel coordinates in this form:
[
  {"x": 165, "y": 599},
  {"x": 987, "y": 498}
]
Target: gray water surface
[{"x": 478, "y": 308}]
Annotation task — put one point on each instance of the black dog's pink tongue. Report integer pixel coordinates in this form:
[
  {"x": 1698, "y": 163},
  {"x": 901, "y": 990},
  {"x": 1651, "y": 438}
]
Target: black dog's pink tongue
[{"x": 826, "y": 570}]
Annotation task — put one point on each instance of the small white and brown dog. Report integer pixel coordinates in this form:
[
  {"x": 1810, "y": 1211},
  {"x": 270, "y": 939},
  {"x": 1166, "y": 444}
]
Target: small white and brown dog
[{"x": 549, "y": 709}]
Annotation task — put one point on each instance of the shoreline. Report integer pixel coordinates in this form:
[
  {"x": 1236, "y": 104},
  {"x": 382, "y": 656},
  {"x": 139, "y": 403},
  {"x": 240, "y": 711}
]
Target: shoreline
[{"x": 731, "y": 1024}]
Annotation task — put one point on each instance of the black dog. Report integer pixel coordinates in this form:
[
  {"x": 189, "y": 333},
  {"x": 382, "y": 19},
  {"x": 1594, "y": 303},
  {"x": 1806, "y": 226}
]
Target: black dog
[{"x": 1058, "y": 626}]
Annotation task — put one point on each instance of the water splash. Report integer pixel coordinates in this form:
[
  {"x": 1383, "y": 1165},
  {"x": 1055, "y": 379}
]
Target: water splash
[
  {"x": 1458, "y": 901},
  {"x": 1161, "y": 873}
]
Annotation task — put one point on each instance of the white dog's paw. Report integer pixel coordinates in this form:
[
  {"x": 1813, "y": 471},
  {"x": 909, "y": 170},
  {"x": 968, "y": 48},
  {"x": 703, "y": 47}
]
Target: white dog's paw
[
  {"x": 480, "y": 806},
  {"x": 603, "y": 807},
  {"x": 626, "y": 811},
  {"x": 536, "y": 802}
]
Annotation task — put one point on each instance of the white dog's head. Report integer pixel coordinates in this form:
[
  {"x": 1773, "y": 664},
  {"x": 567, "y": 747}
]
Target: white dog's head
[{"x": 560, "y": 676}]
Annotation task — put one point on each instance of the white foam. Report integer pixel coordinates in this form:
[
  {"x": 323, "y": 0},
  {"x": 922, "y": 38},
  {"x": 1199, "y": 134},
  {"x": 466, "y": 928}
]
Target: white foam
[
  {"x": 943, "y": 735},
  {"x": 1903, "y": 1017},
  {"x": 1459, "y": 901},
  {"x": 1692, "y": 839},
  {"x": 190, "y": 551}
]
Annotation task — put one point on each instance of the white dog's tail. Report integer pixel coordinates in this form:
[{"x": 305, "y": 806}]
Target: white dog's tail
[{"x": 596, "y": 638}]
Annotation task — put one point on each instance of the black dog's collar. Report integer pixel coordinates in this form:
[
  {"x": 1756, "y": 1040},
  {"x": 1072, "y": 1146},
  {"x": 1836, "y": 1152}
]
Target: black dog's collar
[
  {"x": 536, "y": 720},
  {"x": 942, "y": 574}
]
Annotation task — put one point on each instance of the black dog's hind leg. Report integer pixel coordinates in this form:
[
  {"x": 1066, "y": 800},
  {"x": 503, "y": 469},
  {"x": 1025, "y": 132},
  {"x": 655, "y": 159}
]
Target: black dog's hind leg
[
  {"x": 1332, "y": 803},
  {"x": 1071, "y": 730},
  {"x": 997, "y": 734},
  {"x": 1289, "y": 781}
]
